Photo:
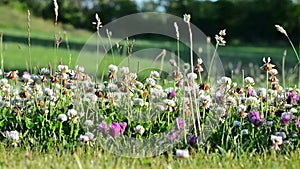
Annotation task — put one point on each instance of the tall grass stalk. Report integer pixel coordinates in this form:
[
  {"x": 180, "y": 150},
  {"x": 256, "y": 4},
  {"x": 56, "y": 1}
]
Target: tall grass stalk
[
  {"x": 283, "y": 31},
  {"x": 187, "y": 20},
  {"x": 1, "y": 53},
  {"x": 283, "y": 68},
  {"x": 109, "y": 34},
  {"x": 178, "y": 52},
  {"x": 29, "y": 44},
  {"x": 211, "y": 62},
  {"x": 55, "y": 32},
  {"x": 68, "y": 47},
  {"x": 267, "y": 86}
]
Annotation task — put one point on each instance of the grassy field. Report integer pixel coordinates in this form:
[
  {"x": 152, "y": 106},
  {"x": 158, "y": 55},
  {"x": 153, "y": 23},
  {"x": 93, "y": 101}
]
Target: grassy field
[
  {"x": 97, "y": 159},
  {"x": 16, "y": 56},
  {"x": 15, "y": 44}
]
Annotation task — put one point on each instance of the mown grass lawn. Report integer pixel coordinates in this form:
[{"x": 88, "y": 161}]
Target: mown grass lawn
[{"x": 16, "y": 158}]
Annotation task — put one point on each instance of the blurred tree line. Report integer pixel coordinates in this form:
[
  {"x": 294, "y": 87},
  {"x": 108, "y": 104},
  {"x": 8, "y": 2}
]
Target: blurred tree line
[{"x": 247, "y": 21}]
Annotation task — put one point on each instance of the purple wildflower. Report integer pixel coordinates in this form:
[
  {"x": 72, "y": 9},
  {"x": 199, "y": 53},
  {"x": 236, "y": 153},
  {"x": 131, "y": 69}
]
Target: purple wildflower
[
  {"x": 103, "y": 127},
  {"x": 251, "y": 92},
  {"x": 179, "y": 123},
  {"x": 172, "y": 94},
  {"x": 285, "y": 119},
  {"x": 115, "y": 129},
  {"x": 123, "y": 126},
  {"x": 172, "y": 136},
  {"x": 192, "y": 140},
  {"x": 292, "y": 97},
  {"x": 297, "y": 122},
  {"x": 254, "y": 118}
]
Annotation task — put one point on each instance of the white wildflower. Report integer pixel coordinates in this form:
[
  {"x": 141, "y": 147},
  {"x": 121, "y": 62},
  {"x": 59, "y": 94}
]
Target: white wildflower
[
  {"x": 249, "y": 80},
  {"x": 182, "y": 154},
  {"x": 151, "y": 82},
  {"x": 139, "y": 129},
  {"x": 154, "y": 74},
  {"x": 191, "y": 76},
  {"x": 113, "y": 68},
  {"x": 62, "y": 117},
  {"x": 244, "y": 132},
  {"x": 187, "y": 18}
]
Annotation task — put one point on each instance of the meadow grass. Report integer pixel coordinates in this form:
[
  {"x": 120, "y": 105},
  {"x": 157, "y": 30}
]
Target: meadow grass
[
  {"x": 15, "y": 158},
  {"x": 44, "y": 118}
]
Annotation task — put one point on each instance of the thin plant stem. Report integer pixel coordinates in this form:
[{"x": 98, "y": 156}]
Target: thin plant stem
[
  {"x": 243, "y": 75},
  {"x": 267, "y": 86},
  {"x": 283, "y": 68},
  {"x": 211, "y": 62},
  {"x": 68, "y": 48},
  {"x": 29, "y": 45},
  {"x": 293, "y": 48},
  {"x": 111, "y": 46},
  {"x": 191, "y": 47},
  {"x": 1, "y": 54}
]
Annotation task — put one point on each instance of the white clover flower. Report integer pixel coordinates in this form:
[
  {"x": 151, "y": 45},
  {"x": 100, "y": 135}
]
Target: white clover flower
[
  {"x": 231, "y": 101},
  {"x": 124, "y": 71},
  {"x": 281, "y": 29},
  {"x": 237, "y": 124},
  {"x": 182, "y": 154},
  {"x": 3, "y": 82},
  {"x": 262, "y": 92},
  {"x": 88, "y": 123},
  {"x": 191, "y": 76},
  {"x": 138, "y": 102},
  {"x": 133, "y": 76},
  {"x": 90, "y": 98},
  {"x": 273, "y": 72},
  {"x": 13, "y": 136},
  {"x": 139, "y": 129},
  {"x": 205, "y": 101},
  {"x": 45, "y": 71},
  {"x": 170, "y": 103},
  {"x": 62, "y": 69},
  {"x": 224, "y": 81},
  {"x": 113, "y": 68},
  {"x": 244, "y": 132},
  {"x": 151, "y": 82},
  {"x": 241, "y": 108},
  {"x": 187, "y": 18},
  {"x": 62, "y": 117},
  {"x": 249, "y": 80},
  {"x": 252, "y": 100},
  {"x": 83, "y": 139},
  {"x": 111, "y": 87},
  {"x": 220, "y": 110},
  {"x": 72, "y": 113},
  {"x": 155, "y": 75},
  {"x": 293, "y": 110},
  {"x": 139, "y": 85},
  {"x": 276, "y": 139},
  {"x": 48, "y": 91}
]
